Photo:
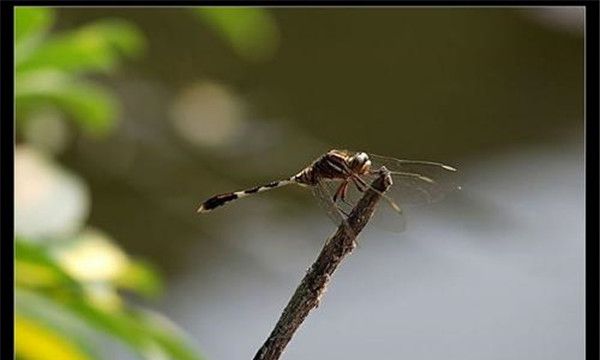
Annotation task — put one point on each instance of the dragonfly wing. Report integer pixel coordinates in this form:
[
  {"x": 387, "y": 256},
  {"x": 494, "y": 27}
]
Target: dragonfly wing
[
  {"x": 392, "y": 220},
  {"x": 418, "y": 182},
  {"x": 324, "y": 193}
]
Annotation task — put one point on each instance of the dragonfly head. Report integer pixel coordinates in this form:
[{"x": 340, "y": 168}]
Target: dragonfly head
[{"x": 359, "y": 163}]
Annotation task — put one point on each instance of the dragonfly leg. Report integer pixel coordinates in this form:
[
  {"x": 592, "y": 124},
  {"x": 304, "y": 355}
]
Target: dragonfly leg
[
  {"x": 358, "y": 186},
  {"x": 392, "y": 203},
  {"x": 340, "y": 193},
  {"x": 344, "y": 192}
]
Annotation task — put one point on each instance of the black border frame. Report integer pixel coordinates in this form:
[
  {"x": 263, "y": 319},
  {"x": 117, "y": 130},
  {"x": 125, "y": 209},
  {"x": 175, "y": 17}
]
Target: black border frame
[{"x": 592, "y": 118}]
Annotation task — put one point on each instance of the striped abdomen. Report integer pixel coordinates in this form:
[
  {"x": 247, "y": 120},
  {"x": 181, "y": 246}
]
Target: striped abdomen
[
  {"x": 334, "y": 165},
  {"x": 222, "y": 199},
  {"x": 331, "y": 166}
]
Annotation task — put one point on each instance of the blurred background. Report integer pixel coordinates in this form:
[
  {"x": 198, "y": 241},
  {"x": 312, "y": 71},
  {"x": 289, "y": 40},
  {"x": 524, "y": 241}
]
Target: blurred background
[{"x": 128, "y": 118}]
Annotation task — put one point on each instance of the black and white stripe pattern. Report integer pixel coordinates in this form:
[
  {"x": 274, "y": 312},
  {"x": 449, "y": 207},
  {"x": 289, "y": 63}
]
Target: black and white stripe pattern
[{"x": 222, "y": 199}]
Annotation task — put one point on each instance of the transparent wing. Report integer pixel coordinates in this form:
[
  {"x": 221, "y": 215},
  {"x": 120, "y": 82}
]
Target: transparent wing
[
  {"x": 388, "y": 216},
  {"x": 338, "y": 211},
  {"x": 324, "y": 191},
  {"x": 417, "y": 182}
]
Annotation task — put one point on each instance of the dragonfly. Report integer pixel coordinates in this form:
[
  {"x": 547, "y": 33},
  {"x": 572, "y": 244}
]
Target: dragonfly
[{"x": 333, "y": 175}]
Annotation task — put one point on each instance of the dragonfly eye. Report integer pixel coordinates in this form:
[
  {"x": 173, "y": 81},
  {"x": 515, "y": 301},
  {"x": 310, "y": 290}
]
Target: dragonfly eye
[{"x": 359, "y": 162}]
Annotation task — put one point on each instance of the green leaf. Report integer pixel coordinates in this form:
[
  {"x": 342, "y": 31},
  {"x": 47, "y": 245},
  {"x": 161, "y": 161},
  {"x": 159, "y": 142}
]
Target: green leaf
[
  {"x": 34, "y": 267},
  {"x": 31, "y": 25},
  {"x": 140, "y": 277},
  {"x": 147, "y": 336},
  {"x": 96, "y": 47},
  {"x": 91, "y": 106},
  {"x": 167, "y": 335},
  {"x": 145, "y": 332},
  {"x": 50, "y": 313},
  {"x": 32, "y": 20},
  {"x": 251, "y": 32}
]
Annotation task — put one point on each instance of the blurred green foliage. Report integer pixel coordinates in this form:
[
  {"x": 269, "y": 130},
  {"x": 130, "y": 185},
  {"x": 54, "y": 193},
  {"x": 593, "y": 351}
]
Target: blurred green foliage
[
  {"x": 50, "y": 68},
  {"x": 251, "y": 32},
  {"x": 71, "y": 310},
  {"x": 69, "y": 288},
  {"x": 71, "y": 278}
]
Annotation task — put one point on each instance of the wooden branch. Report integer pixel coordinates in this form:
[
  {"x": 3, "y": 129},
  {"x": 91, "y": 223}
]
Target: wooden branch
[{"x": 308, "y": 294}]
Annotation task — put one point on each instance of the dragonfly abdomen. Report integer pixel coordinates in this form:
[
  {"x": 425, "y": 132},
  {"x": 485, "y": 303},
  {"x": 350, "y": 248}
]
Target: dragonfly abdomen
[{"x": 222, "y": 199}]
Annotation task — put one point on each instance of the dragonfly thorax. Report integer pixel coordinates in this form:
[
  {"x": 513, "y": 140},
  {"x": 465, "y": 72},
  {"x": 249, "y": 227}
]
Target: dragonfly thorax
[{"x": 334, "y": 165}]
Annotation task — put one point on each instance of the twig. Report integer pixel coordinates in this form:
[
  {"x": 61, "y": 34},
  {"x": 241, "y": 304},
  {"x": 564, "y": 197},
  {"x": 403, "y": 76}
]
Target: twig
[{"x": 308, "y": 294}]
